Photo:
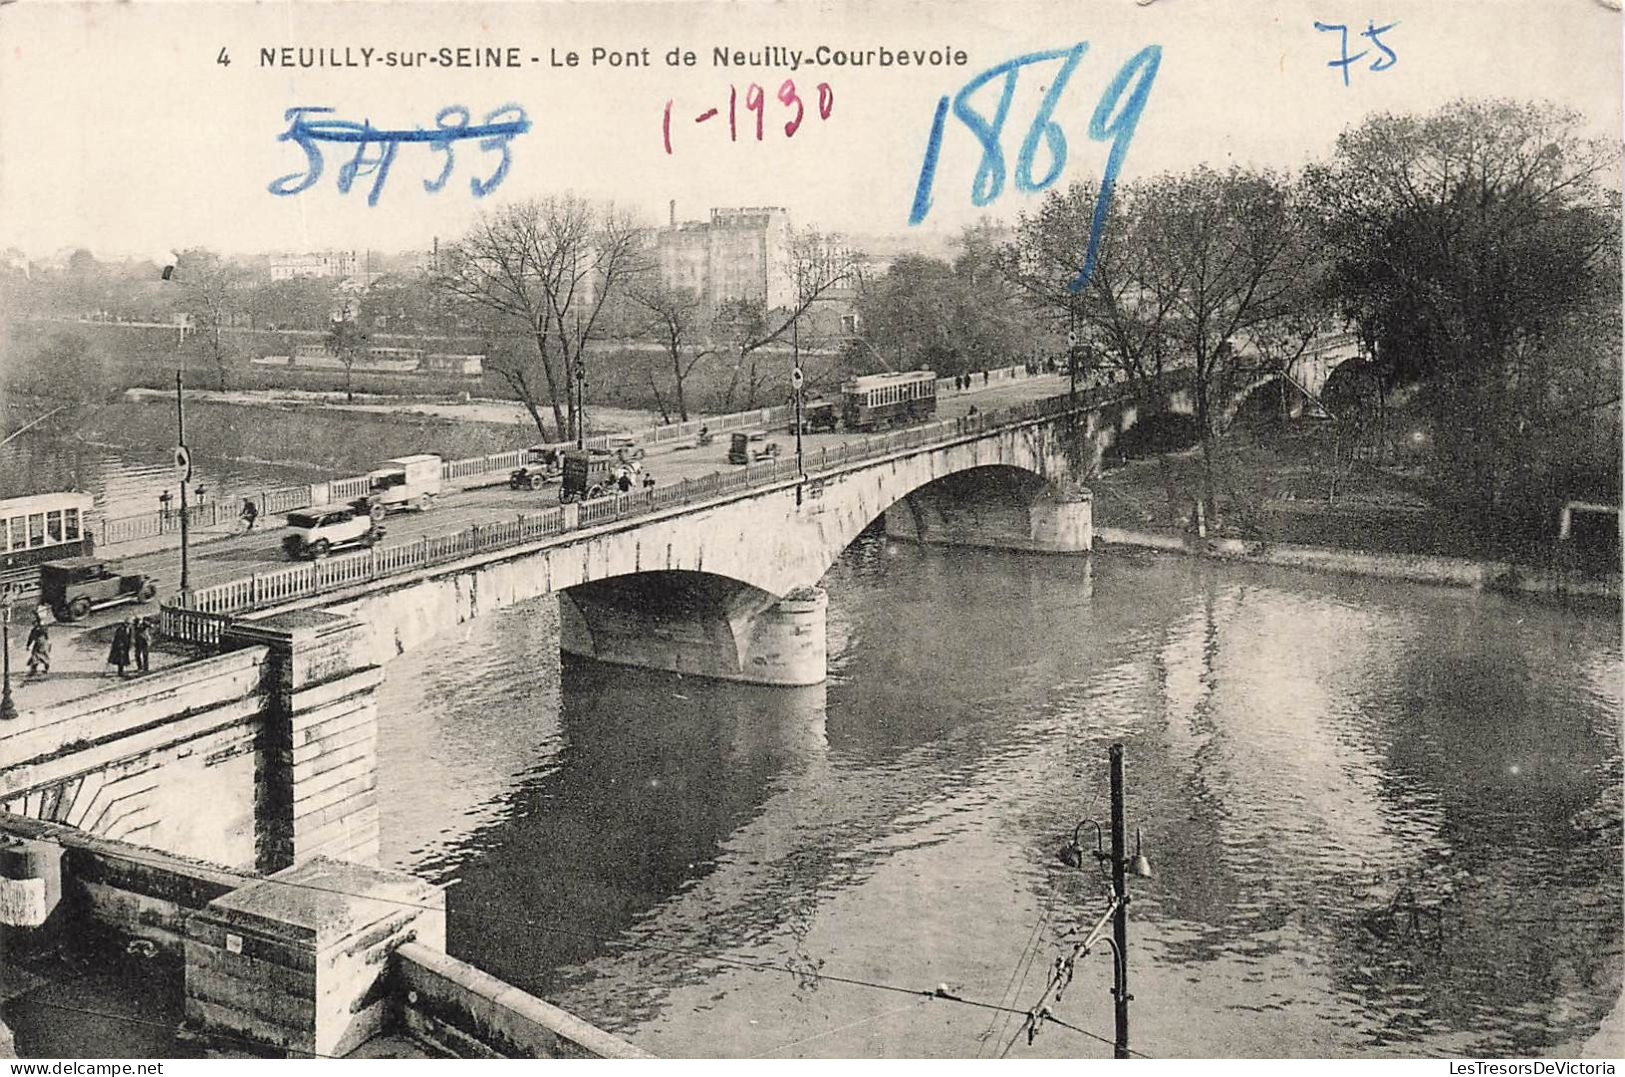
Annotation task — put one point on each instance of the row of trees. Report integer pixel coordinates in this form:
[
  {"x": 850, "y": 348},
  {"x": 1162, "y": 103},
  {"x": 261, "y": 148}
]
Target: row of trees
[
  {"x": 565, "y": 272},
  {"x": 1475, "y": 251}
]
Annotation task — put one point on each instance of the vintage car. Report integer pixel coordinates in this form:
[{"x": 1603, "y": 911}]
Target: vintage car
[
  {"x": 318, "y": 531},
  {"x": 741, "y": 452},
  {"x": 542, "y": 465},
  {"x": 74, "y": 586},
  {"x": 409, "y": 482},
  {"x": 817, "y": 416},
  {"x": 588, "y": 473}
]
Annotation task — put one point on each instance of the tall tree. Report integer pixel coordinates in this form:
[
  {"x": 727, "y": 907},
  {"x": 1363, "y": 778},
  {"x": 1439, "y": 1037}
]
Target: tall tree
[
  {"x": 676, "y": 318},
  {"x": 1473, "y": 245},
  {"x": 816, "y": 266},
  {"x": 215, "y": 293},
  {"x": 1226, "y": 251},
  {"x": 550, "y": 265}
]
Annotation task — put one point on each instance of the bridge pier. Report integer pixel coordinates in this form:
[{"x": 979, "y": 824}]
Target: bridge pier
[
  {"x": 981, "y": 509},
  {"x": 698, "y": 627},
  {"x": 316, "y": 790}
]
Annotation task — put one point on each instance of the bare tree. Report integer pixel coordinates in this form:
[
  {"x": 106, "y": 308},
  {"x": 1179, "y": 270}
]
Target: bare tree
[
  {"x": 817, "y": 264},
  {"x": 215, "y": 294},
  {"x": 550, "y": 264},
  {"x": 1229, "y": 253},
  {"x": 677, "y": 318}
]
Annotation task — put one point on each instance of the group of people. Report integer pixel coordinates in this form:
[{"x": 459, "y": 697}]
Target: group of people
[
  {"x": 622, "y": 479},
  {"x": 132, "y": 644},
  {"x": 963, "y": 381}
]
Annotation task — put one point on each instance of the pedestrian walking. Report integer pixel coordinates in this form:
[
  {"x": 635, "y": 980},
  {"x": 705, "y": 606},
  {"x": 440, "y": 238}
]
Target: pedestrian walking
[
  {"x": 118, "y": 655},
  {"x": 142, "y": 638},
  {"x": 39, "y": 648},
  {"x": 984, "y": 377},
  {"x": 648, "y": 480},
  {"x": 251, "y": 512}
]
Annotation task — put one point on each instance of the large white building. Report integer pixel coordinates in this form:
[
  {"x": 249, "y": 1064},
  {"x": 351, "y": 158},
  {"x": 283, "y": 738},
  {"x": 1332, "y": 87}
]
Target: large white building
[
  {"x": 339, "y": 264},
  {"x": 740, "y": 253}
]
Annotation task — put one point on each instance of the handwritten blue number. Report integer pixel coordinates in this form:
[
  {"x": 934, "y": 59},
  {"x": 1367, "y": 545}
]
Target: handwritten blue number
[
  {"x": 1142, "y": 67},
  {"x": 299, "y": 134}
]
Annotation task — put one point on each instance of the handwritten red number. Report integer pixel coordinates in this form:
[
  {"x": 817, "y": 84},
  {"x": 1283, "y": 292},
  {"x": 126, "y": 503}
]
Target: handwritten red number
[
  {"x": 733, "y": 121},
  {"x": 756, "y": 99},
  {"x": 787, "y": 95},
  {"x": 665, "y": 126},
  {"x": 826, "y": 100}
]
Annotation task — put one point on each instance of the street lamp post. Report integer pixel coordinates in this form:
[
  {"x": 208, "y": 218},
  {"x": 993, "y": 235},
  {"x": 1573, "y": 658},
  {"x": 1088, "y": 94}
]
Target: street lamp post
[
  {"x": 581, "y": 403},
  {"x": 1120, "y": 865},
  {"x": 183, "y": 461},
  {"x": 8, "y": 708}
]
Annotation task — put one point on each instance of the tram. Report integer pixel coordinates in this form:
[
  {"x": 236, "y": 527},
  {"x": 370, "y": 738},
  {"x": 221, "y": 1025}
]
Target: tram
[
  {"x": 39, "y": 528},
  {"x": 881, "y": 400}
]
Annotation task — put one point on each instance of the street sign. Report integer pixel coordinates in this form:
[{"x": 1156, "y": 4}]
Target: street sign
[
  {"x": 795, "y": 378},
  {"x": 183, "y": 463}
]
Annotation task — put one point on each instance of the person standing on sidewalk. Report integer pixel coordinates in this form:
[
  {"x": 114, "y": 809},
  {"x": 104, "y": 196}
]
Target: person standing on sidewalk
[
  {"x": 141, "y": 636},
  {"x": 118, "y": 655},
  {"x": 39, "y": 648}
]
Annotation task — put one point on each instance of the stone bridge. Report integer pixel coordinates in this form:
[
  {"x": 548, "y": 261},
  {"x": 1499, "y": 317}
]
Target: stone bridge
[
  {"x": 274, "y": 727},
  {"x": 726, "y": 585}
]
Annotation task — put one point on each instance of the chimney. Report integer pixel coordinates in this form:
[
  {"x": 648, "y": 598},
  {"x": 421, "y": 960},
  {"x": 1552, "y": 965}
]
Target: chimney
[{"x": 671, "y": 212}]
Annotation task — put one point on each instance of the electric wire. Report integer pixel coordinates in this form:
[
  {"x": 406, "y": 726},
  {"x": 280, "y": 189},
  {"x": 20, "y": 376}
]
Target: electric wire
[{"x": 938, "y": 993}]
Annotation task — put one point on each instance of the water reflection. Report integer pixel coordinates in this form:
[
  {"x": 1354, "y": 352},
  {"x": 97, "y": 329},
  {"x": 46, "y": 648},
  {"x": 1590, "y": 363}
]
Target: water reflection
[
  {"x": 1383, "y": 818},
  {"x": 127, "y": 483}
]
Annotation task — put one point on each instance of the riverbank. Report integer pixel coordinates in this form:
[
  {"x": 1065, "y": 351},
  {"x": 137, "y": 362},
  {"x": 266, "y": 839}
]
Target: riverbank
[
  {"x": 1286, "y": 502},
  {"x": 1415, "y": 568}
]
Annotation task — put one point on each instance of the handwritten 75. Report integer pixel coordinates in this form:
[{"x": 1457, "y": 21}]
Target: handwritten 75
[{"x": 1115, "y": 118}]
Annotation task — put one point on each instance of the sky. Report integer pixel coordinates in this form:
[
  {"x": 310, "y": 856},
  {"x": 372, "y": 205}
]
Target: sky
[{"x": 121, "y": 130}]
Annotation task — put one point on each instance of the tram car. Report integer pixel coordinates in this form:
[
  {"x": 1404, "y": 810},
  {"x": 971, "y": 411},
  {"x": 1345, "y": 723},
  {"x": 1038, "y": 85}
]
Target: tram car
[
  {"x": 876, "y": 401},
  {"x": 40, "y": 528}
]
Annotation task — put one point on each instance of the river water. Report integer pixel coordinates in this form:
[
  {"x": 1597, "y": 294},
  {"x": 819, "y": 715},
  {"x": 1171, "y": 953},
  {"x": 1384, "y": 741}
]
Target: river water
[
  {"x": 1382, "y": 819},
  {"x": 125, "y": 482}
]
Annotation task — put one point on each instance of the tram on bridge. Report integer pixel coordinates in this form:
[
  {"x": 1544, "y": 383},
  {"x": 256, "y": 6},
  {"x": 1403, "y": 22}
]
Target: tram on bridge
[
  {"x": 40, "y": 528},
  {"x": 876, "y": 401}
]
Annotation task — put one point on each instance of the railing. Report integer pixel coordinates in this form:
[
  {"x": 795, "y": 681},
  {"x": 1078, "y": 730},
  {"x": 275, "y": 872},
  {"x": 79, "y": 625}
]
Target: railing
[
  {"x": 191, "y": 626},
  {"x": 303, "y": 580},
  {"x": 227, "y": 508}
]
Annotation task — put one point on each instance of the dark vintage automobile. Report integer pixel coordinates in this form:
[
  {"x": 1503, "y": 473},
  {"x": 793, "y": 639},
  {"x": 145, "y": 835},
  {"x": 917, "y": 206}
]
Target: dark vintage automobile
[
  {"x": 588, "y": 473},
  {"x": 74, "y": 586},
  {"x": 817, "y": 416},
  {"x": 542, "y": 466},
  {"x": 740, "y": 451}
]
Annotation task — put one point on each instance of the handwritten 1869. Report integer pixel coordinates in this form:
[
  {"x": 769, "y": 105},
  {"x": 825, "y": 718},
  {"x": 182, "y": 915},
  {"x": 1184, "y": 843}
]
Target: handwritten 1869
[{"x": 1115, "y": 118}]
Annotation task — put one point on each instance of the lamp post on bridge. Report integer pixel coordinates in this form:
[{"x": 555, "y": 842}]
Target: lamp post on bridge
[{"x": 8, "y": 708}]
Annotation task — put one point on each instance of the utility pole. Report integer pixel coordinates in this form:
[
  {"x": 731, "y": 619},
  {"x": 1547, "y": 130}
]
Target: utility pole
[
  {"x": 796, "y": 380},
  {"x": 1120, "y": 887},
  {"x": 581, "y": 386},
  {"x": 183, "y": 461},
  {"x": 8, "y": 707}
]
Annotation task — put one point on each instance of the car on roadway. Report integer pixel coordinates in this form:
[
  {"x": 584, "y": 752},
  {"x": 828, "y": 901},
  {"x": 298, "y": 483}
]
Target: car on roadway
[
  {"x": 74, "y": 586},
  {"x": 314, "y": 533}
]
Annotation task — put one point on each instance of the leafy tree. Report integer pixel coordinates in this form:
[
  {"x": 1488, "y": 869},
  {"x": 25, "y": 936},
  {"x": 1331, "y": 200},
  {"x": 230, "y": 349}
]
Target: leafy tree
[
  {"x": 346, "y": 338},
  {"x": 1478, "y": 248}
]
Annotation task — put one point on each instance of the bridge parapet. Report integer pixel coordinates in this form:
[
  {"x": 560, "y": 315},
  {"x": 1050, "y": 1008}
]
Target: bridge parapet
[{"x": 297, "y": 581}]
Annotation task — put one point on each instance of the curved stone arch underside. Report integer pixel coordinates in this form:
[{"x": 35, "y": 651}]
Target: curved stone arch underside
[{"x": 750, "y": 555}]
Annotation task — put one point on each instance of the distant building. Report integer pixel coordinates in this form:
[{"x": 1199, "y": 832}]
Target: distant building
[
  {"x": 337, "y": 264},
  {"x": 740, "y": 253}
]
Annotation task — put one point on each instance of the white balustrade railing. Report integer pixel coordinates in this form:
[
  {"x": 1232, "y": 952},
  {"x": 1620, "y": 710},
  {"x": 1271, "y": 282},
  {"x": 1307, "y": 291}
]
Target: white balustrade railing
[{"x": 303, "y": 580}]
